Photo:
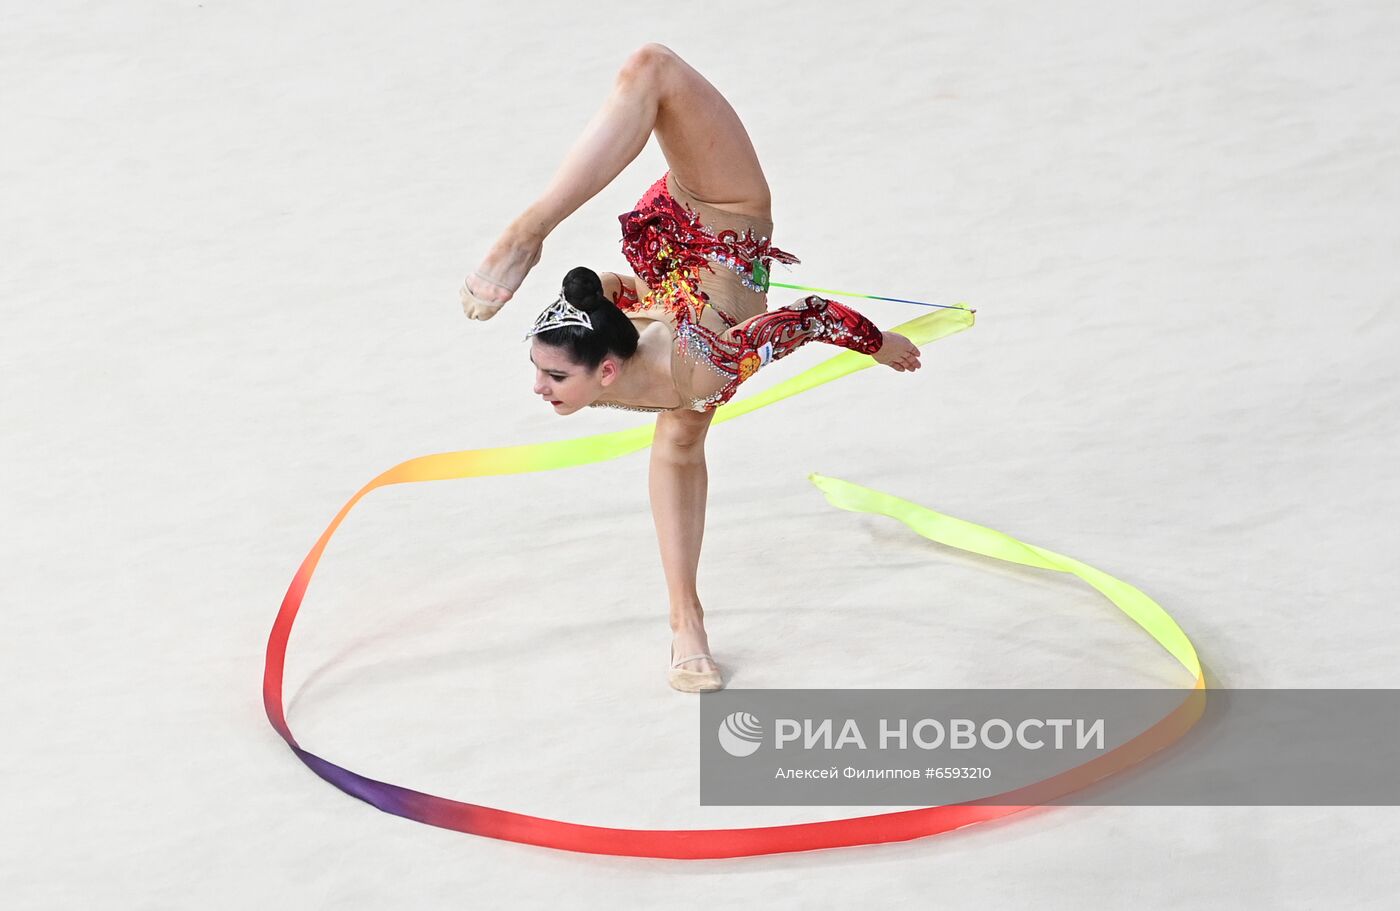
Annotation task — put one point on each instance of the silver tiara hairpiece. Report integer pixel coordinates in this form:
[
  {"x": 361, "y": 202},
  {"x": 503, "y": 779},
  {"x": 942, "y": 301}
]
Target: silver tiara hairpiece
[{"x": 560, "y": 313}]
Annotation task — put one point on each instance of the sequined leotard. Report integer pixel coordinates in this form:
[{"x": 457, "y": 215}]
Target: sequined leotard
[{"x": 722, "y": 329}]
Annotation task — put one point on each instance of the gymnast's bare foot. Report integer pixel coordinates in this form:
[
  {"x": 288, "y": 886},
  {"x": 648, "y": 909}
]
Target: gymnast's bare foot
[
  {"x": 898, "y": 352},
  {"x": 500, "y": 274}
]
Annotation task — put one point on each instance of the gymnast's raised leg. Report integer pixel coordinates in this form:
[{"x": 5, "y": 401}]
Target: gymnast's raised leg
[{"x": 706, "y": 146}]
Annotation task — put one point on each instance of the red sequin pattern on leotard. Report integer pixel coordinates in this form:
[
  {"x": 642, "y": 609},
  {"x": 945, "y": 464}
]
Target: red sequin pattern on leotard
[{"x": 667, "y": 245}]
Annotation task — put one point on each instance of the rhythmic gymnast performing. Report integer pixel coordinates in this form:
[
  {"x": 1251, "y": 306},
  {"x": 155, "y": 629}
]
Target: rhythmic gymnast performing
[{"x": 678, "y": 336}]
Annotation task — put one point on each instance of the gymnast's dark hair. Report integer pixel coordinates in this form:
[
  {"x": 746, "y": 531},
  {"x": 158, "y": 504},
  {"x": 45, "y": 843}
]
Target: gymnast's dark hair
[{"x": 612, "y": 331}]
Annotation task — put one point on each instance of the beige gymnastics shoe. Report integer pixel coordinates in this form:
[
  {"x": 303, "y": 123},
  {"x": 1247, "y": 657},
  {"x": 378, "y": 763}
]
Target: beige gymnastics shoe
[
  {"x": 513, "y": 256},
  {"x": 693, "y": 681},
  {"x": 473, "y": 306}
]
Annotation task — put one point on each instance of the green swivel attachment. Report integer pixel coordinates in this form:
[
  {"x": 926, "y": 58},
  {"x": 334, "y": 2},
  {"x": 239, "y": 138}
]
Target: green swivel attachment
[{"x": 760, "y": 275}]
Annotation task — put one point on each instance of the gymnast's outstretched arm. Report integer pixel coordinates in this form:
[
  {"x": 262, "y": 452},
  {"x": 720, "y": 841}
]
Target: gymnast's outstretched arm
[
  {"x": 742, "y": 349},
  {"x": 777, "y": 333}
]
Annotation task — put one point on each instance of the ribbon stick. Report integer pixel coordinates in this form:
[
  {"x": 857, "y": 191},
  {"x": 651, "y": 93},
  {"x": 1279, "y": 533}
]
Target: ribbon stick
[
  {"x": 710, "y": 843},
  {"x": 874, "y": 297}
]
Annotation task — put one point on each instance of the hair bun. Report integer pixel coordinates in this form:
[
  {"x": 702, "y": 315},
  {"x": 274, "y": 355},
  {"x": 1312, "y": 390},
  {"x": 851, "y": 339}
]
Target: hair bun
[
  {"x": 584, "y": 289},
  {"x": 612, "y": 333}
]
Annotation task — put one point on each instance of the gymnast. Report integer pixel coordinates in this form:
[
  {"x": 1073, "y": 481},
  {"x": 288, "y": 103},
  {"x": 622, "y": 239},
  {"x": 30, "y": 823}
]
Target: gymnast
[{"x": 678, "y": 336}]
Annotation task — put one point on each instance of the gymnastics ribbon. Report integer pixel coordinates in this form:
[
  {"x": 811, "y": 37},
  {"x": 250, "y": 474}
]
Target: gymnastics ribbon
[{"x": 712, "y": 843}]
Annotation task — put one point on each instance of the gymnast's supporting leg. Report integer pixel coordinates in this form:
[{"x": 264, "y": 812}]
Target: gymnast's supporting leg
[
  {"x": 612, "y": 139},
  {"x": 679, "y": 485}
]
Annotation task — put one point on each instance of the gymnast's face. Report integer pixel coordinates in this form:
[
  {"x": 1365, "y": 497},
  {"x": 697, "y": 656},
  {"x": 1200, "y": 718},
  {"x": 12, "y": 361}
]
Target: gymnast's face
[{"x": 563, "y": 384}]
